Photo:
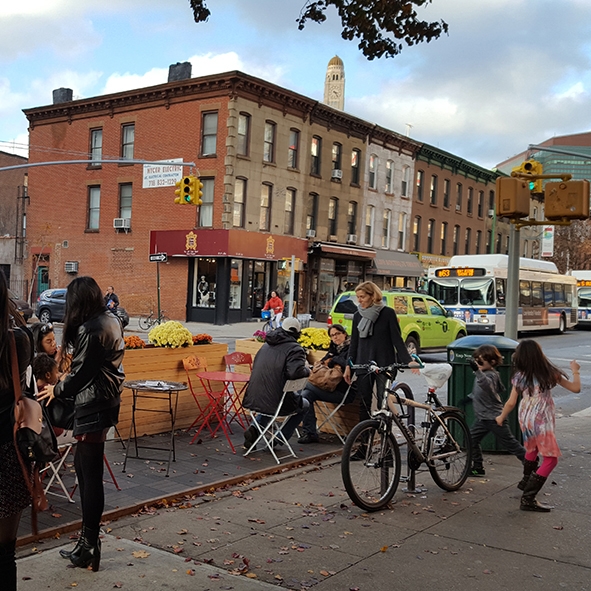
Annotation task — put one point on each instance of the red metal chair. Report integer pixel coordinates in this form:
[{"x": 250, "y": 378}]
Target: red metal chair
[
  {"x": 238, "y": 358},
  {"x": 237, "y": 362},
  {"x": 194, "y": 364}
]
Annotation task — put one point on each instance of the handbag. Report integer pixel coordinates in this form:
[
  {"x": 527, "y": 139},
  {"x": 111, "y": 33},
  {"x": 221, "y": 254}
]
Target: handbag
[
  {"x": 324, "y": 377},
  {"x": 61, "y": 413}
]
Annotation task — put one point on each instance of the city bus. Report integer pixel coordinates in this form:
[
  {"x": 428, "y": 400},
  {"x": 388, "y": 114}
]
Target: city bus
[
  {"x": 474, "y": 287},
  {"x": 583, "y": 297}
]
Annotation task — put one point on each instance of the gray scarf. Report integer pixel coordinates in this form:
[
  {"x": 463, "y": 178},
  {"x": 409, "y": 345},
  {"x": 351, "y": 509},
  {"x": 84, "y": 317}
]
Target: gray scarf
[{"x": 368, "y": 318}]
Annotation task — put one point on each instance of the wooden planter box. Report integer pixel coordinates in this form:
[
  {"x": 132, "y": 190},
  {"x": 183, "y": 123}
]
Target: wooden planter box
[{"x": 163, "y": 363}]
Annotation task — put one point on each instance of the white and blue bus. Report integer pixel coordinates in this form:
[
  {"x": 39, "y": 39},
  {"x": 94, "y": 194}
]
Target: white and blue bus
[
  {"x": 474, "y": 287},
  {"x": 583, "y": 297}
]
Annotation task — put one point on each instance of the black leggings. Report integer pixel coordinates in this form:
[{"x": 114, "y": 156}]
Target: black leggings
[
  {"x": 365, "y": 389},
  {"x": 88, "y": 462}
]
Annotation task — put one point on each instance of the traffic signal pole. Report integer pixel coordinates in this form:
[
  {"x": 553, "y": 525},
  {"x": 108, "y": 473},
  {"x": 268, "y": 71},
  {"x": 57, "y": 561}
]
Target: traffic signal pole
[{"x": 512, "y": 307}]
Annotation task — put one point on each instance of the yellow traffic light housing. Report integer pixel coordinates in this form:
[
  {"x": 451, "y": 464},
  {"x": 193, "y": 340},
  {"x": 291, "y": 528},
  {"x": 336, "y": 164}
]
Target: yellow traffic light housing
[
  {"x": 567, "y": 200},
  {"x": 188, "y": 191},
  {"x": 532, "y": 167},
  {"x": 198, "y": 191},
  {"x": 513, "y": 197}
]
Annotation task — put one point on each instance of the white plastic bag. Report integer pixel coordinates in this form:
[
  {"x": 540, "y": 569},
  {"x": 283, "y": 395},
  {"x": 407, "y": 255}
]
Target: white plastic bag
[{"x": 436, "y": 374}]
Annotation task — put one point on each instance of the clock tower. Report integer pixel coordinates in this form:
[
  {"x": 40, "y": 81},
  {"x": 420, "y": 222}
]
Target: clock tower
[{"x": 334, "y": 84}]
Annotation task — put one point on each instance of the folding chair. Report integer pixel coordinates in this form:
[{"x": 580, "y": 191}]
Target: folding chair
[
  {"x": 271, "y": 434},
  {"x": 193, "y": 363},
  {"x": 238, "y": 362},
  {"x": 233, "y": 360},
  {"x": 328, "y": 415},
  {"x": 57, "y": 468}
]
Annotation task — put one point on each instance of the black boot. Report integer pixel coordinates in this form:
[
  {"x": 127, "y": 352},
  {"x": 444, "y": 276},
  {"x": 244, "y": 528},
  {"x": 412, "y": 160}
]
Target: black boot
[
  {"x": 529, "y": 466},
  {"x": 532, "y": 488},
  {"x": 67, "y": 553},
  {"x": 88, "y": 551},
  {"x": 8, "y": 566}
]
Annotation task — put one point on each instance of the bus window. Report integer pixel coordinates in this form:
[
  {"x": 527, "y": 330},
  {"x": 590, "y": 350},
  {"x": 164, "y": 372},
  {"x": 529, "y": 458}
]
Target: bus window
[
  {"x": 418, "y": 305},
  {"x": 477, "y": 292},
  {"x": 501, "y": 292},
  {"x": 558, "y": 294},
  {"x": 524, "y": 293},
  {"x": 548, "y": 295},
  {"x": 584, "y": 298},
  {"x": 537, "y": 297},
  {"x": 568, "y": 292},
  {"x": 445, "y": 291}
]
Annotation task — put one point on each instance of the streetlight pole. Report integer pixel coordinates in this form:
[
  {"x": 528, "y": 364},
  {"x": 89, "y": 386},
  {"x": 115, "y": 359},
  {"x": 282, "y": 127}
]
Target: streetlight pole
[{"x": 512, "y": 307}]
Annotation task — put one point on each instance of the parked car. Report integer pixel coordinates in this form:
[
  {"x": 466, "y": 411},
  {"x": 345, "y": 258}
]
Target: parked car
[
  {"x": 51, "y": 305},
  {"x": 424, "y": 323},
  {"x": 22, "y": 305}
]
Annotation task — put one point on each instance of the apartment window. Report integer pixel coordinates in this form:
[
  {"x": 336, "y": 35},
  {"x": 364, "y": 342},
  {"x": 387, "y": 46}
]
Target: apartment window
[
  {"x": 289, "y": 218},
  {"x": 506, "y": 244},
  {"x": 373, "y": 171},
  {"x": 478, "y": 240},
  {"x": 386, "y": 228},
  {"x": 206, "y": 208},
  {"x": 316, "y": 149},
  {"x": 401, "y": 230},
  {"x": 491, "y": 200},
  {"x": 352, "y": 218},
  {"x": 94, "y": 208},
  {"x": 433, "y": 190},
  {"x": 430, "y": 231},
  {"x": 127, "y": 141},
  {"x": 499, "y": 246},
  {"x": 468, "y": 239},
  {"x": 446, "y": 184},
  {"x": 269, "y": 142},
  {"x": 489, "y": 239},
  {"x": 443, "y": 238},
  {"x": 265, "y": 214},
  {"x": 239, "y": 202},
  {"x": 524, "y": 248},
  {"x": 96, "y": 146},
  {"x": 456, "y": 238},
  {"x": 459, "y": 197},
  {"x": 470, "y": 201},
  {"x": 480, "y": 203},
  {"x": 416, "y": 232},
  {"x": 243, "y": 139},
  {"x": 389, "y": 176},
  {"x": 311, "y": 211},
  {"x": 420, "y": 183},
  {"x": 294, "y": 146},
  {"x": 405, "y": 181},
  {"x": 337, "y": 153},
  {"x": 355, "y": 160},
  {"x": 333, "y": 210},
  {"x": 209, "y": 134},
  {"x": 369, "y": 221},
  {"x": 125, "y": 190}
]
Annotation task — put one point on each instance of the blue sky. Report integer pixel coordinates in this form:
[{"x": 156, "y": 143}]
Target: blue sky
[{"x": 510, "y": 73}]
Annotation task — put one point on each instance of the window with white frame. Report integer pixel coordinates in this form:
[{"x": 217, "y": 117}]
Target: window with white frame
[
  {"x": 369, "y": 221},
  {"x": 289, "y": 219},
  {"x": 333, "y": 211},
  {"x": 373, "y": 171},
  {"x": 294, "y": 147},
  {"x": 468, "y": 240},
  {"x": 478, "y": 241},
  {"x": 125, "y": 191},
  {"x": 416, "y": 232},
  {"x": 94, "y": 207},
  {"x": 242, "y": 141},
  {"x": 386, "y": 220},
  {"x": 209, "y": 134},
  {"x": 352, "y": 218},
  {"x": 456, "y": 237},
  {"x": 355, "y": 163},
  {"x": 311, "y": 211},
  {"x": 315, "y": 151},
  {"x": 127, "y": 140},
  {"x": 265, "y": 214},
  {"x": 459, "y": 190},
  {"x": 433, "y": 190},
  {"x": 96, "y": 146},
  {"x": 401, "y": 230},
  {"x": 239, "y": 202},
  {"x": 269, "y": 142},
  {"x": 420, "y": 185},
  {"x": 389, "y": 176},
  {"x": 470, "y": 201},
  {"x": 337, "y": 156},
  {"x": 405, "y": 181},
  {"x": 206, "y": 208},
  {"x": 443, "y": 238},
  {"x": 430, "y": 233}
]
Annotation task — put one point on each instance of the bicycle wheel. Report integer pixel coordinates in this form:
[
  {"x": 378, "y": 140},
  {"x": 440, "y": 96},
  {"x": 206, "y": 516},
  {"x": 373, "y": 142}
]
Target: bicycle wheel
[
  {"x": 449, "y": 466},
  {"x": 145, "y": 322},
  {"x": 267, "y": 328},
  {"x": 370, "y": 465},
  {"x": 163, "y": 319}
]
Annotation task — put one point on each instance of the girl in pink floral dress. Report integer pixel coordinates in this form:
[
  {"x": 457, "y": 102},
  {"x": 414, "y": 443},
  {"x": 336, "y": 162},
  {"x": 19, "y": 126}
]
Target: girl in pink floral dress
[{"x": 534, "y": 379}]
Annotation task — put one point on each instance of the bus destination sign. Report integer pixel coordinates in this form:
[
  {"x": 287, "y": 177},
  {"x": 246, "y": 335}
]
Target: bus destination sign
[
  {"x": 460, "y": 272},
  {"x": 584, "y": 283}
]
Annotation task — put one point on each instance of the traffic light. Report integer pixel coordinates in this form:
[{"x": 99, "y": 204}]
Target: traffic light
[
  {"x": 189, "y": 191},
  {"x": 198, "y": 191},
  {"x": 513, "y": 197},
  {"x": 567, "y": 200},
  {"x": 531, "y": 167}
]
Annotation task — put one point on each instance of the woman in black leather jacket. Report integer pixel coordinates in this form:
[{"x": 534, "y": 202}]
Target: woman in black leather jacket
[{"x": 94, "y": 338}]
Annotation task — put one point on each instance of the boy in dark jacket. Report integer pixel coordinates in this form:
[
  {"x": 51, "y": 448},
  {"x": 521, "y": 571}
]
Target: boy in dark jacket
[{"x": 487, "y": 406}]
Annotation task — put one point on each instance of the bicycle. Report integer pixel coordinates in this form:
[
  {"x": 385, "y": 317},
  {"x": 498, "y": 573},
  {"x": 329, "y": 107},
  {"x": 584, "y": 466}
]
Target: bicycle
[
  {"x": 371, "y": 461},
  {"x": 269, "y": 324},
  {"x": 149, "y": 321}
]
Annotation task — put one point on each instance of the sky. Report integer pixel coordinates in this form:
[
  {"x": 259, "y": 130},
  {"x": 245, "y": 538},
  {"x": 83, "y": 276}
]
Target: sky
[{"x": 508, "y": 74}]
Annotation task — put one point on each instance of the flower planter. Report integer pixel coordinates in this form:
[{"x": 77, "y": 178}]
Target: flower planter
[{"x": 251, "y": 346}]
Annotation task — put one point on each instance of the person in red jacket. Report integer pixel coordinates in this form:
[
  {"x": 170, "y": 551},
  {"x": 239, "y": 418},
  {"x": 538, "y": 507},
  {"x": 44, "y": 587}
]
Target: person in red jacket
[{"x": 275, "y": 305}]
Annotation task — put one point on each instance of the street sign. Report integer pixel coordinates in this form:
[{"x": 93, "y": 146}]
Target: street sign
[{"x": 158, "y": 257}]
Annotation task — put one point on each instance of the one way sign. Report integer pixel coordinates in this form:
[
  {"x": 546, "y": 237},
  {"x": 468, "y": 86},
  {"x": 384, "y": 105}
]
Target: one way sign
[{"x": 158, "y": 257}]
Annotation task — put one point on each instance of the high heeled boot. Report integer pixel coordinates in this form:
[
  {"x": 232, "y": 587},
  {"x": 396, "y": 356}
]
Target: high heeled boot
[
  {"x": 532, "y": 488},
  {"x": 529, "y": 466},
  {"x": 88, "y": 552},
  {"x": 67, "y": 553},
  {"x": 8, "y": 566}
]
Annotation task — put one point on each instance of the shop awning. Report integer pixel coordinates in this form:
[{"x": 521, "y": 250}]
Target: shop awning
[
  {"x": 396, "y": 264},
  {"x": 346, "y": 251}
]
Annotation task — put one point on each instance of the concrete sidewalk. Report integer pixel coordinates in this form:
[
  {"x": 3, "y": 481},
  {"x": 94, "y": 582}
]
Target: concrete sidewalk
[{"x": 299, "y": 530}]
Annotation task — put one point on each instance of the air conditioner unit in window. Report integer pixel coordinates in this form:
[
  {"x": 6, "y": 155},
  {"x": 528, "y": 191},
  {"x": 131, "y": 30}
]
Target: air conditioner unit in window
[
  {"x": 458, "y": 207},
  {"x": 332, "y": 238},
  {"x": 310, "y": 233},
  {"x": 122, "y": 223},
  {"x": 352, "y": 238},
  {"x": 491, "y": 213},
  {"x": 337, "y": 174},
  {"x": 71, "y": 267}
]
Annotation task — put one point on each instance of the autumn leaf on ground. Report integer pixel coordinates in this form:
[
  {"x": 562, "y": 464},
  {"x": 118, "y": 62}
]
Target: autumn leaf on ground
[
  {"x": 383, "y": 548},
  {"x": 140, "y": 554}
]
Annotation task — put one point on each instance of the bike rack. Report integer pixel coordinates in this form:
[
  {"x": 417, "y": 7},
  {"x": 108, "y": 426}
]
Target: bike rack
[{"x": 410, "y": 477}]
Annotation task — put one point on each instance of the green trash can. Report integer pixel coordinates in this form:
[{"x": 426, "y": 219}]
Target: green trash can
[{"x": 461, "y": 381}]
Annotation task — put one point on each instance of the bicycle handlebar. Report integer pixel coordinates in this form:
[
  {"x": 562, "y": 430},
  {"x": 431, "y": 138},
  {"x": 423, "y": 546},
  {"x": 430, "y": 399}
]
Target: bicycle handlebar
[{"x": 372, "y": 366}]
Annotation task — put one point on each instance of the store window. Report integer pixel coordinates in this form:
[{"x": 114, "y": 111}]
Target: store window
[
  {"x": 326, "y": 286},
  {"x": 204, "y": 283},
  {"x": 235, "y": 284}
]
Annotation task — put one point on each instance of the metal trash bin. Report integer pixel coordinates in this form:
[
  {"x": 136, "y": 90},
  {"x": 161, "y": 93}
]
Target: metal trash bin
[
  {"x": 304, "y": 320},
  {"x": 461, "y": 381}
]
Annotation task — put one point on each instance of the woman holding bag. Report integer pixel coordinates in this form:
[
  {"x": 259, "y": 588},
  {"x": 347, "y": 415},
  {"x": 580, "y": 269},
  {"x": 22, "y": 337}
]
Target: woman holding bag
[{"x": 94, "y": 337}]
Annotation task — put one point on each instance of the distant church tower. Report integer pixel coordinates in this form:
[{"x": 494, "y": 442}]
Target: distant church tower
[{"x": 334, "y": 85}]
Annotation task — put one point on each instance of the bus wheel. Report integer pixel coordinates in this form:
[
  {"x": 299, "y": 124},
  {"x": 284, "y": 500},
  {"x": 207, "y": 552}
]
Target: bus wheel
[{"x": 562, "y": 324}]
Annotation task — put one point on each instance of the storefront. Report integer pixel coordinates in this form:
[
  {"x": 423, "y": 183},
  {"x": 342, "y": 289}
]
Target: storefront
[
  {"x": 231, "y": 272},
  {"x": 394, "y": 269}
]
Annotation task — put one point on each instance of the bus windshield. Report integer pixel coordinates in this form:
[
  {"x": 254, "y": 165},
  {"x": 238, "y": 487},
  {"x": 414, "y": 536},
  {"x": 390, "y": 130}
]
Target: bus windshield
[
  {"x": 477, "y": 292},
  {"x": 445, "y": 291},
  {"x": 584, "y": 298}
]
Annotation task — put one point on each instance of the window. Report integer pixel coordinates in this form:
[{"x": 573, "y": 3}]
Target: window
[
  {"x": 489, "y": 242},
  {"x": 355, "y": 160},
  {"x": 294, "y": 146},
  {"x": 337, "y": 152},
  {"x": 235, "y": 284},
  {"x": 311, "y": 211},
  {"x": 243, "y": 139},
  {"x": 480, "y": 203},
  {"x": 446, "y": 193},
  {"x": 470, "y": 201},
  {"x": 265, "y": 215},
  {"x": 405, "y": 181},
  {"x": 420, "y": 183},
  {"x": 499, "y": 247},
  {"x": 127, "y": 141},
  {"x": 373, "y": 171},
  {"x": 333, "y": 210},
  {"x": 468, "y": 238},
  {"x": 96, "y": 146},
  {"x": 430, "y": 230},
  {"x": 289, "y": 218},
  {"x": 206, "y": 208},
  {"x": 209, "y": 134},
  {"x": 386, "y": 228},
  {"x": 389, "y": 176},
  {"x": 269, "y": 142},
  {"x": 456, "y": 239},
  {"x": 352, "y": 218},
  {"x": 416, "y": 232},
  {"x": 401, "y": 230},
  {"x": 491, "y": 199},
  {"x": 525, "y": 293},
  {"x": 506, "y": 244},
  {"x": 125, "y": 200},
  {"x": 94, "y": 208},
  {"x": 239, "y": 203},
  {"x": 459, "y": 197},
  {"x": 478, "y": 240},
  {"x": 433, "y": 190},
  {"x": 443, "y": 238},
  {"x": 524, "y": 248},
  {"x": 369, "y": 221},
  {"x": 316, "y": 149}
]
